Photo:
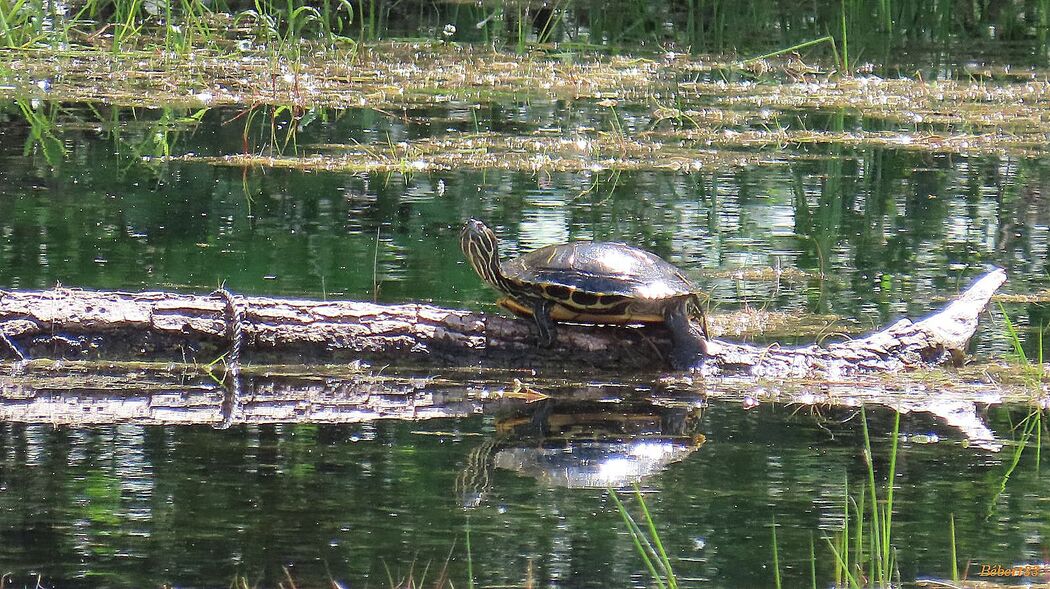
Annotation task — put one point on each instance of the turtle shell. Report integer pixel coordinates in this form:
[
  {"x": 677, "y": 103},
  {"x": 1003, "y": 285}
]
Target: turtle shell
[{"x": 608, "y": 280}]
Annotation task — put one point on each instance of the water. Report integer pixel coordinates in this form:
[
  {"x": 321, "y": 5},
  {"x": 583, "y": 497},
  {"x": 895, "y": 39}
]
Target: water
[
  {"x": 131, "y": 506},
  {"x": 876, "y": 233},
  {"x": 889, "y": 229},
  {"x": 190, "y": 506}
]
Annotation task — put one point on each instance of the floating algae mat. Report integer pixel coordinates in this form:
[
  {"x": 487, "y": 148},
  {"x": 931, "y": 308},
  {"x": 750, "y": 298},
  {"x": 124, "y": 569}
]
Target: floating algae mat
[{"x": 666, "y": 111}]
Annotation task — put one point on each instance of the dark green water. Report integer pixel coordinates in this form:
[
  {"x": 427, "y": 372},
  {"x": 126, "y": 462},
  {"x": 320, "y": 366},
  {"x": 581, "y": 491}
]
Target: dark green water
[
  {"x": 878, "y": 233},
  {"x": 888, "y": 230},
  {"x": 131, "y": 507}
]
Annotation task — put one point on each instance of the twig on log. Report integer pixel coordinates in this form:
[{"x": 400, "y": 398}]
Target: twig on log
[{"x": 11, "y": 347}]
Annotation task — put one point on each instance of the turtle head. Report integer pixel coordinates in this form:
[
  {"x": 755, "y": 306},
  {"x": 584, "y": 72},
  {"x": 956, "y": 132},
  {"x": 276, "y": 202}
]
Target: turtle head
[{"x": 482, "y": 251}]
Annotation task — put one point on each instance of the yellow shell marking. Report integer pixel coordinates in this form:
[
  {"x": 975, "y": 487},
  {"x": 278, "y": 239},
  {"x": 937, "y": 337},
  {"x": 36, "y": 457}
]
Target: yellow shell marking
[{"x": 560, "y": 312}]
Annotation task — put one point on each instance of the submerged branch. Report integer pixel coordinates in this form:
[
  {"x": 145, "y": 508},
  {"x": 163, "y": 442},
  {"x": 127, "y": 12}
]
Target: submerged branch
[{"x": 68, "y": 323}]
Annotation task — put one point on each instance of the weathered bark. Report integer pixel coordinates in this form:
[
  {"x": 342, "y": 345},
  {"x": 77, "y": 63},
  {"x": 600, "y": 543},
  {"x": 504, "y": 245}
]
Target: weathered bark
[
  {"x": 67, "y": 323},
  {"x": 939, "y": 338}
]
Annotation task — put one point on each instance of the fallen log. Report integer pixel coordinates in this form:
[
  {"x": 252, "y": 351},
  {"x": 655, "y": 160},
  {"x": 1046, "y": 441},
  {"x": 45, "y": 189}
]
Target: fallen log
[
  {"x": 80, "y": 324},
  {"x": 938, "y": 339}
]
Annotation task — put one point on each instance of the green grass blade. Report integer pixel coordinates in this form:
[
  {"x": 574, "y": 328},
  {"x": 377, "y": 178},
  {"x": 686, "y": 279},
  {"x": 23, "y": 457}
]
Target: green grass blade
[
  {"x": 824, "y": 39},
  {"x": 812, "y": 562},
  {"x": 845, "y": 42},
  {"x": 1029, "y": 423},
  {"x": 858, "y": 543},
  {"x": 1038, "y": 442},
  {"x": 776, "y": 557},
  {"x": 888, "y": 519},
  {"x": 671, "y": 580},
  {"x": 955, "y": 557},
  {"x": 869, "y": 459},
  {"x": 5, "y": 29},
  {"x": 842, "y": 563},
  {"x": 1013, "y": 336},
  {"x": 635, "y": 532},
  {"x": 470, "y": 559}
]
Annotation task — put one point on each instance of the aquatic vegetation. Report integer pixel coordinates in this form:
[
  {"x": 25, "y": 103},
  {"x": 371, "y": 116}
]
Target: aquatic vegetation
[
  {"x": 862, "y": 559},
  {"x": 1033, "y": 376},
  {"x": 1031, "y": 430},
  {"x": 689, "y": 151},
  {"x": 955, "y": 554},
  {"x": 706, "y": 123},
  {"x": 647, "y": 542},
  {"x": 406, "y": 74},
  {"x": 490, "y": 151},
  {"x": 787, "y": 50},
  {"x": 1036, "y": 372},
  {"x": 776, "y": 556},
  {"x": 855, "y": 28},
  {"x": 1042, "y": 296},
  {"x": 41, "y": 119},
  {"x": 379, "y": 76}
]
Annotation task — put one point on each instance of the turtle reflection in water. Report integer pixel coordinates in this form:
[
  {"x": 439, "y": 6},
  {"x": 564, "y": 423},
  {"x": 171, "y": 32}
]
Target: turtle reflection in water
[
  {"x": 582, "y": 445},
  {"x": 591, "y": 282}
]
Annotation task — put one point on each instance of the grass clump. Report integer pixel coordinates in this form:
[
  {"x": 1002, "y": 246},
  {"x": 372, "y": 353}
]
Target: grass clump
[
  {"x": 1031, "y": 427},
  {"x": 1035, "y": 372},
  {"x": 863, "y": 550},
  {"x": 41, "y": 120},
  {"x": 647, "y": 541}
]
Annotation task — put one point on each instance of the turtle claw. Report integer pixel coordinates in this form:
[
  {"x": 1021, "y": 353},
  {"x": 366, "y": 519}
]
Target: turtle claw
[{"x": 687, "y": 357}]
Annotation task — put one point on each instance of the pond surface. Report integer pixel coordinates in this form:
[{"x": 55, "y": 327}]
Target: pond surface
[
  {"x": 867, "y": 233},
  {"x": 127, "y": 506}
]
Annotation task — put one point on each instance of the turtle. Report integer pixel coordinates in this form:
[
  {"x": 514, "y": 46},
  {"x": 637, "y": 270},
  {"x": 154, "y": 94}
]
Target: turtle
[{"x": 591, "y": 282}]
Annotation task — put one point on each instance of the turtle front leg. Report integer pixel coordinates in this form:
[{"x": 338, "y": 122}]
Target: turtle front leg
[
  {"x": 541, "y": 312},
  {"x": 689, "y": 343}
]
